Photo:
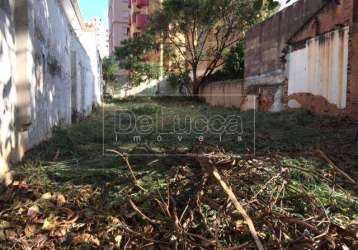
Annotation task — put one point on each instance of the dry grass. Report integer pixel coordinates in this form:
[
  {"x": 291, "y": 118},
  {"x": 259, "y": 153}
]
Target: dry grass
[{"x": 68, "y": 195}]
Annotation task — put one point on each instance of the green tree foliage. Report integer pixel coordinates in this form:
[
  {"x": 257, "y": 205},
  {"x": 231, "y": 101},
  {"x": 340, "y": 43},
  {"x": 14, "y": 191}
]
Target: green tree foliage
[
  {"x": 234, "y": 65},
  {"x": 196, "y": 32},
  {"x": 109, "y": 69},
  {"x": 202, "y": 30},
  {"x": 180, "y": 80},
  {"x": 132, "y": 54}
]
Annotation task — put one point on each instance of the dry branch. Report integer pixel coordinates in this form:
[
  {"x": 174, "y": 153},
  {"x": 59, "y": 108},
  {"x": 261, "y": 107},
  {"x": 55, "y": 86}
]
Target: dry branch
[
  {"x": 125, "y": 158},
  {"x": 205, "y": 164},
  {"x": 145, "y": 217},
  {"x": 330, "y": 162}
]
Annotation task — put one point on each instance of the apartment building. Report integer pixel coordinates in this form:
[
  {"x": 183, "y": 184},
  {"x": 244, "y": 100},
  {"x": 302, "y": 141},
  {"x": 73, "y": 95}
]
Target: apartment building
[
  {"x": 101, "y": 36},
  {"x": 118, "y": 15},
  {"x": 140, "y": 12}
]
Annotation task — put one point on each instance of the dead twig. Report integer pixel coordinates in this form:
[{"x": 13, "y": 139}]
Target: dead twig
[
  {"x": 125, "y": 158},
  {"x": 205, "y": 164},
  {"x": 145, "y": 217},
  {"x": 330, "y": 162},
  {"x": 239, "y": 207}
]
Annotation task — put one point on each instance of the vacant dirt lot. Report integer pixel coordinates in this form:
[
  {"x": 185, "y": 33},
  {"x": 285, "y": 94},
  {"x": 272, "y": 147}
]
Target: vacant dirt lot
[{"x": 299, "y": 188}]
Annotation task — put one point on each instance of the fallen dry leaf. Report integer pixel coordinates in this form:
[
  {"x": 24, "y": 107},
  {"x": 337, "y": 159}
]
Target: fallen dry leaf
[
  {"x": 49, "y": 224},
  {"x": 60, "y": 199},
  {"x": 4, "y": 224},
  {"x": 30, "y": 230},
  {"x": 118, "y": 240},
  {"x": 113, "y": 220},
  {"x": 2, "y": 235},
  {"x": 85, "y": 239},
  {"x": 33, "y": 211},
  {"x": 46, "y": 196}
]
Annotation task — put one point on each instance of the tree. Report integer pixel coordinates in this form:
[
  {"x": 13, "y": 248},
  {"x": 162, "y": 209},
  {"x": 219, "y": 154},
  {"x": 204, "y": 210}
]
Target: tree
[
  {"x": 234, "y": 62},
  {"x": 202, "y": 30},
  {"x": 133, "y": 55},
  {"x": 109, "y": 69}
]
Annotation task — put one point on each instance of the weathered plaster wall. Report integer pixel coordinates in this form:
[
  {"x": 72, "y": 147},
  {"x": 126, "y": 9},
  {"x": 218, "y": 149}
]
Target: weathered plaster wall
[
  {"x": 333, "y": 15},
  {"x": 265, "y": 72},
  {"x": 332, "y": 79},
  {"x": 320, "y": 68},
  {"x": 229, "y": 94},
  {"x": 159, "y": 87},
  {"x": 267, "y": 66},
  {"x": 50, "y": 71},
  {"x": 54, "y": 42},
  {"x": 353, "y": 66},
  {"x": 266, "y": 41},
  {"x": 7, "y": 85}
]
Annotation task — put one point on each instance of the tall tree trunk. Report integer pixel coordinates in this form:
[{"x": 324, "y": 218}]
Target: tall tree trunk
[
  {"x": 196, "y": 88},
  {"x": 196, "y": 83}
]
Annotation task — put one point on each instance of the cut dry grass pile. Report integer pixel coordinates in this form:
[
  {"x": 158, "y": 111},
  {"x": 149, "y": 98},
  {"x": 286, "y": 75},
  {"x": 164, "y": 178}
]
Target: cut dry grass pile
[{"x": 67, "y": 195}]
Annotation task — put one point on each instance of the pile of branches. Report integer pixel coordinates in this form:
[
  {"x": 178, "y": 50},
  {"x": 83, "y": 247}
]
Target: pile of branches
[
  {"x": 213, "y": 201},
  {"x": 229, "y": 202}
]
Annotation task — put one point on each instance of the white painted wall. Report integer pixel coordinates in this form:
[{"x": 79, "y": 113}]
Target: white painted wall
[
  {"x": 54, "y": 32},
  {"x": 320, "y": 68},
  {"x": 7, "y": 85}
]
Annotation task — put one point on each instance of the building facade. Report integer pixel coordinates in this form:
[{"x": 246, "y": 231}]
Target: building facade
[
  {"x": 50, "y": 71},
  {"x": 102, "y": 36},
  {"x": 118, "y": 21},
  {"x": 304, "y": 57},
  {"x": 140, "y": 12}
]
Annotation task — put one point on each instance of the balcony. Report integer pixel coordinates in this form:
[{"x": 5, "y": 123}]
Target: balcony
[
  {"x": 142, "y": 3},
  {"x": 142, "y": 21},
  {"x": 134, "y": 17}
]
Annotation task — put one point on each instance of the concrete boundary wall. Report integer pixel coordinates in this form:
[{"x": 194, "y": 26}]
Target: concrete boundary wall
[
  {"x": 271, "y": 58},
  {"x": 229, "y": 94},
  {"x": 7, "y": 85},
  {"x": 330, "y": 38},
  {"x": 50, "y": 71},
  {"x": 266, "y": 41}
]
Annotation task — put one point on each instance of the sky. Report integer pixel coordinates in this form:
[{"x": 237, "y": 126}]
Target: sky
[
  {"x": 94, "y": 8},
  {"x": 283, "y": 3},
  {"x": 99, "y": 8}
]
